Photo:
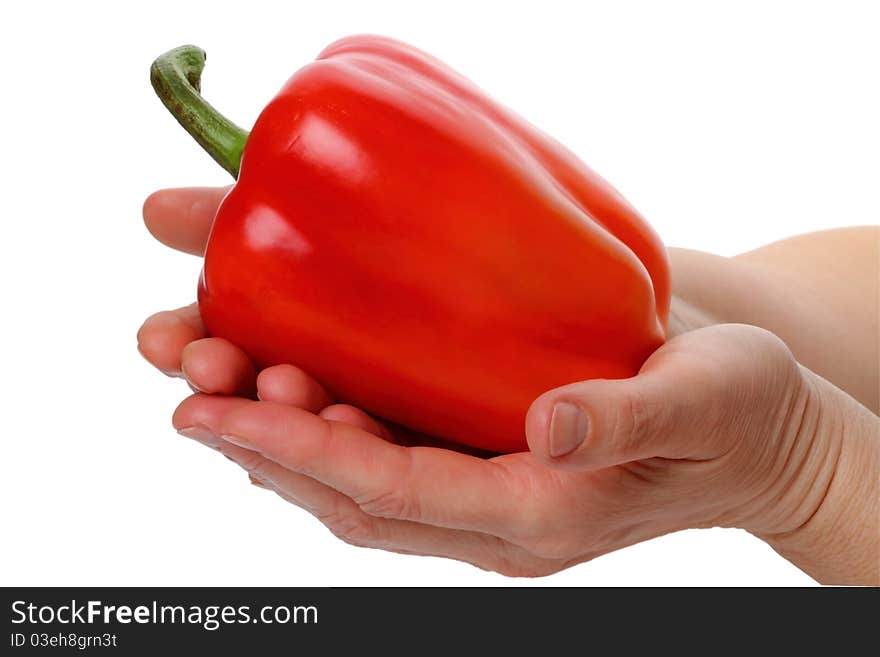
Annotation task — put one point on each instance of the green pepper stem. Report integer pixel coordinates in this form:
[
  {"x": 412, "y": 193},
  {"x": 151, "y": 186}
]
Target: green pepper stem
[{"x": 176, "y": 78}]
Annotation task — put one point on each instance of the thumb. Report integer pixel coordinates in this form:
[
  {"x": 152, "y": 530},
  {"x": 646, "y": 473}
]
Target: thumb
[
  {"x": 600, "y": 423},
  {"x": 693, "y": 398}
]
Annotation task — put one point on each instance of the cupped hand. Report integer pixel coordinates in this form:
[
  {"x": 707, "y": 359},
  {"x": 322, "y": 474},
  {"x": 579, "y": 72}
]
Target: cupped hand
[
  {"x": 710, "y": 433},
  {"x": 707, "y": 434}
]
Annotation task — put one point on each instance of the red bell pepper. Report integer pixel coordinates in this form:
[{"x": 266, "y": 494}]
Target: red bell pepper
[{"x": 418, "y": 248}]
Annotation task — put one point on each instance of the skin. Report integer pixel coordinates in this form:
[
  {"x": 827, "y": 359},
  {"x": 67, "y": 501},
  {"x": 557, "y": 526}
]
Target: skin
[{"x": 759, "y": 413}]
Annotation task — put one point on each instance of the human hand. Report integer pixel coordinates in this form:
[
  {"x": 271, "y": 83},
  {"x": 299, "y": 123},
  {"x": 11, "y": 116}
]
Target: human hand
[
  {"x": 707, "y": 449},
  {"x": 720, "y": 428}
]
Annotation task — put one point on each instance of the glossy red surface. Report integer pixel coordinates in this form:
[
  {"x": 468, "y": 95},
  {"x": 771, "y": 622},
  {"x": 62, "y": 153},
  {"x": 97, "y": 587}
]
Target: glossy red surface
[{"x": 424, "y": 252}]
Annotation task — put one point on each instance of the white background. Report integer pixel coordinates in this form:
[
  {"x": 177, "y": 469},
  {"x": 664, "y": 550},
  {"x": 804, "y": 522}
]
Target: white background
[{"x": 727, "y": 124}]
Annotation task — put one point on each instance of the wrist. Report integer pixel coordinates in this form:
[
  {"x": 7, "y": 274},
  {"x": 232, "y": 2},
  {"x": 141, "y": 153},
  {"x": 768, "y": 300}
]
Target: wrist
[
  {"x": 806, "y": 443},
  {"x": 821, "y": 511}
]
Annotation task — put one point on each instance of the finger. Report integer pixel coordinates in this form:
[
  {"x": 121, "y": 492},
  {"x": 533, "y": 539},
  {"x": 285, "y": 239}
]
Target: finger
[
  {"x": 318, "y": 499},
  {"x": 259, "y": 484},
  {"x": 694, "y": 384},
  {"x": 356, "y": 418},
  {"x": 181, "y": 218},
  {"x": 393, "y": 433},
  {"x": 423, "y": 484},
  {"x": 390, "y": 432},
  {"x": 216, "y": 366},
  {"x": 286, "y": 384},
  {"x": 163, "y": 337},
  {"x": 346, "y": 520},
  {"x": 199, "y": 416}
]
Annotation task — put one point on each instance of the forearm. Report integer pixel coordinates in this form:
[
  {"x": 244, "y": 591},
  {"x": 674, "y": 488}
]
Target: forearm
[
  {"x": 826, "y": 517},
  {"x": 818, "y": 292}
]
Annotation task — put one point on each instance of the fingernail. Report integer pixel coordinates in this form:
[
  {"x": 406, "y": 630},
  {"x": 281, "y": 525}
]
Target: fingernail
[
  {"x": 237, "y": 440},
  {"x": 568, "y": 428},
  {"x": 200, "y": 434},
  {"x": 185, "y": 376}
]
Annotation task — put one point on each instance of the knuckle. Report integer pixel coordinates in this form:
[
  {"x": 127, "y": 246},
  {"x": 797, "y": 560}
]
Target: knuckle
[
  {"x": 760, "y": 347},
  {"x": 769, "y": 342},
  {"x": 394, "y": 495},
  {"x": 391, "y": 503},
  {"x": 352, "y": 528},
  {"x": 252, "y": 462},
  {"x": 779, "y": 358},
  {"x": 630, "y": 423}
]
